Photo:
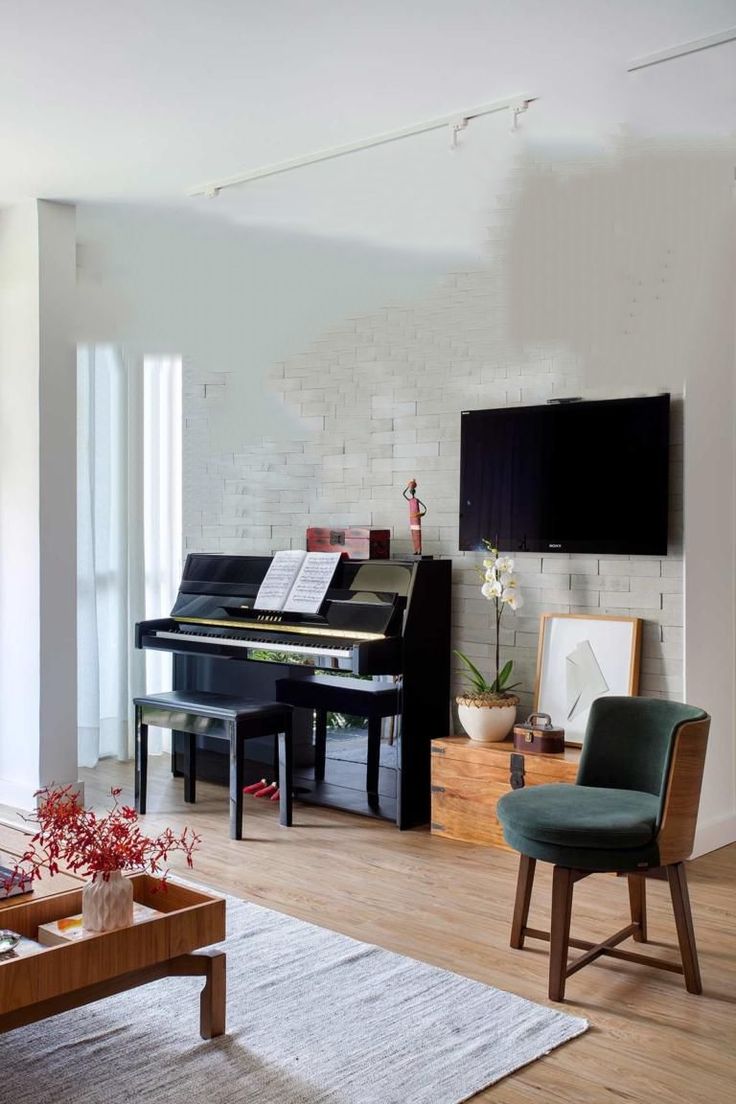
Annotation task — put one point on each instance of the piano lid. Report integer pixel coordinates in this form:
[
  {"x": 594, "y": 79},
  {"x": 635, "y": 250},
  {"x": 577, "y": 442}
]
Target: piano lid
[
  {"x": 366, "y": 599},
  {"x": 222, "y": 572}
]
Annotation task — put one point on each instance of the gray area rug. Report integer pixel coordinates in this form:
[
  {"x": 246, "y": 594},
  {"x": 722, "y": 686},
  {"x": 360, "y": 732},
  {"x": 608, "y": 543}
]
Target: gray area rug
[{"x": 313, "y": 1018}]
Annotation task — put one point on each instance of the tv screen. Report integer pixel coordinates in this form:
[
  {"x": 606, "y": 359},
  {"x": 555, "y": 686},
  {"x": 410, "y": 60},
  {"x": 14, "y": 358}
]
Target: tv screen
[{"x": 569, "y": 477}]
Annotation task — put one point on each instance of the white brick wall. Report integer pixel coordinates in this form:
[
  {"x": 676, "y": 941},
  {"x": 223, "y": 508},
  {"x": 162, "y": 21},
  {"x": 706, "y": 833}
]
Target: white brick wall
[{"x": 377, "y": 401}]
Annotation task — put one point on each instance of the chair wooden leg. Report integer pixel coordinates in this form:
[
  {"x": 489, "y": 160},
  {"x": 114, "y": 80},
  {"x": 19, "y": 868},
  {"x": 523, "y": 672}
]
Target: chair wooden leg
[
  {"x": 638, "y": 904},
  {"x": 562, "y": 884},
  {"x": 524, "y": 884},
  {"x": 677, "y": 878}
]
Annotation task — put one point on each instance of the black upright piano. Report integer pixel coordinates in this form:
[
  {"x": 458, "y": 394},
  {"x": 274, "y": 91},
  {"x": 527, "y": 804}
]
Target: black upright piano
[{"x": 379, "y": 618}]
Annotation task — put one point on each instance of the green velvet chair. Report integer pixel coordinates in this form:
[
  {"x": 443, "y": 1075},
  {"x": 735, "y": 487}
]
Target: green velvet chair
[{"x": 632, "y": 811}]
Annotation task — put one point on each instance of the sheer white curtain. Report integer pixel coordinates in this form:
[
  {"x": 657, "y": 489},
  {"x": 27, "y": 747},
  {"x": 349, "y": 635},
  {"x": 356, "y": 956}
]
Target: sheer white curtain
[
  {"x": 161, "y": 509},
  {"x": 129, "y": 544}
]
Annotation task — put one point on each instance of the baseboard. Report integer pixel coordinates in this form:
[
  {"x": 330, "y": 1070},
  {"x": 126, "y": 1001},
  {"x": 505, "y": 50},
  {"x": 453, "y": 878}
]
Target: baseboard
[
  {"x": 16, "y": 795},
  {"x": 21, "y": 796},
  {"x": 713, "y": 834}
]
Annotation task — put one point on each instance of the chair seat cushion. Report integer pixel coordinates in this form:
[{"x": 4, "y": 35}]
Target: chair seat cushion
[{"x": 581, "y": 816}]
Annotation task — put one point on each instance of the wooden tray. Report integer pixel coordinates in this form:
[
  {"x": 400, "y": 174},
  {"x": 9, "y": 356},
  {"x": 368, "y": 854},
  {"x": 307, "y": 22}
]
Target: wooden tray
[{"x": 132, "y": 955}]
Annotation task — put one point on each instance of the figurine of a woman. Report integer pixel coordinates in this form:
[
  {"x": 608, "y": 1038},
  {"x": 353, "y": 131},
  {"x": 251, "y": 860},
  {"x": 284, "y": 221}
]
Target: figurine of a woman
[{"x": 417, "y": 510}]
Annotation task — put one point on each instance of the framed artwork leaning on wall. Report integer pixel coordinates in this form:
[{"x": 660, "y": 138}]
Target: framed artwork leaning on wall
[{"x": 582, "y": 657}]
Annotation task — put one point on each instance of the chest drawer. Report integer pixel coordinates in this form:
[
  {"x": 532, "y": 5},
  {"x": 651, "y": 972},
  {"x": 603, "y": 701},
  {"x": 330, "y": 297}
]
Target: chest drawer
[{"x": 468, "y": 779}]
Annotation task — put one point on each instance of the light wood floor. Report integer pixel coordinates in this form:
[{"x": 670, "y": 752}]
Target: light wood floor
[{"x": 450, "y": 904}]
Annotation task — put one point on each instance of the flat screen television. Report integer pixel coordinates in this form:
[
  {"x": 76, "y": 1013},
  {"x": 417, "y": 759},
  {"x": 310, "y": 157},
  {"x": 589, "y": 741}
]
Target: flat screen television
[{"x": 570, "y": 477}]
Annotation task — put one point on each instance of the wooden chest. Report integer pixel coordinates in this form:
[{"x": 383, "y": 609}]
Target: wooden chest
[
  {"x": 357, "y": 542},
  {"x": 468, "y": 778}
]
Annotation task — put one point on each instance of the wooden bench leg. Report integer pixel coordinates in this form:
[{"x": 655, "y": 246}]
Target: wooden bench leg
[
  {"x": 373, "y": 759},
  {"x": 286, "y": 779},
  {"x": 190, "y": 777},
  {"x": 141, "y": 761},
  {"x": 638, "y": 905},
  {"x": 677, "y": 878},
  {"x": 562, "y": 885},
  {"x": 237, "y": 775},
  {"x": 175, "y": 773},
  {"x": 320, "y": 744},
  {"x": 524, "y": 885}
]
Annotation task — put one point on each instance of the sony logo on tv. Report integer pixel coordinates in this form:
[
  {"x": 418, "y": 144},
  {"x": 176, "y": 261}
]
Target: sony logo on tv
[{"x": 555, "y": 546}]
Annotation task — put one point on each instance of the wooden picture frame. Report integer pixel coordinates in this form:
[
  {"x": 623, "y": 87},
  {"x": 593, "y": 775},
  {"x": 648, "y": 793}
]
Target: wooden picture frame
[{"x": 580, "y": 657}]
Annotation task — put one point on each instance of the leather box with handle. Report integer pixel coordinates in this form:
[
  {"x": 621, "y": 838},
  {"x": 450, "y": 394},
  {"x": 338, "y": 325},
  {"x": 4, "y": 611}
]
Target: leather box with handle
[{"x": 539, "y": 735}]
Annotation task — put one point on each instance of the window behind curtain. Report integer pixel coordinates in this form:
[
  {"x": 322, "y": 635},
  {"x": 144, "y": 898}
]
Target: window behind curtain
[{"x": 129, "y": 535}]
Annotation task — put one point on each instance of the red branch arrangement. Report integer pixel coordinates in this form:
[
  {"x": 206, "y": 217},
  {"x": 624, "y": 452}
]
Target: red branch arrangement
[{"x": 75, "y": 838}]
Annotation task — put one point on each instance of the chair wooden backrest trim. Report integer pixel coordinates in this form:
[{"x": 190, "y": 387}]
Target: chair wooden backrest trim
[{"x": 685, "y": 777}]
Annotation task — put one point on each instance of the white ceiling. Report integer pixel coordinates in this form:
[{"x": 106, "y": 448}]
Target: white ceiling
[{"x": 142, "y": 99}]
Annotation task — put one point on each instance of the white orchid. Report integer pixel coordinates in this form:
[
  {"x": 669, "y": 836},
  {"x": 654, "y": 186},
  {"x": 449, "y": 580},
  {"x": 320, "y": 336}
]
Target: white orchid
[
  {"x": 499, "y": 585},
  {"x": 512, "y": 599}
]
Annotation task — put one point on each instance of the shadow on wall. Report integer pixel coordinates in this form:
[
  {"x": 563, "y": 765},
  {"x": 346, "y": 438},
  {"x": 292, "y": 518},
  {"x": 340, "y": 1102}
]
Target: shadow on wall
[
  {"x": 232, "y": 299},
  {"x": 625, "y": 258}
]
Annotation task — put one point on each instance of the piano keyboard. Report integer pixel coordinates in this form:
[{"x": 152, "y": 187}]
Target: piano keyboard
[{"x": 261, "y": 645}]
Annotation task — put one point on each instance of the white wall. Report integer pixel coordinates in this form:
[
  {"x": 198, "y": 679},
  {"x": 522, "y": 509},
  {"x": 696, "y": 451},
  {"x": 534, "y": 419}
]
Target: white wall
[
  {"x": 37, "y": 500},
  {"x": 19, "y": 469},
  {"x": 57, "y": 412}
]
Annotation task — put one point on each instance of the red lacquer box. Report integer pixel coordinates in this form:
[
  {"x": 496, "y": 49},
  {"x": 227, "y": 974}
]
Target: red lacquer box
[{"x": 356, "y": 542}]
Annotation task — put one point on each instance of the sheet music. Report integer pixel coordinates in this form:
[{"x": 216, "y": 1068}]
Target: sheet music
[
  {"x": 297, "y": 581},
  {"x": 312, "y": 583},
  {"x": 278, "y": 580}
]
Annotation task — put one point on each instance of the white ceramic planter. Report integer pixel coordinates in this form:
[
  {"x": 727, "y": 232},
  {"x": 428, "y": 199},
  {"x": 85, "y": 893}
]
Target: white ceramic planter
[
  {"x": 107, "y": 904},
  {"x": 487, "y": 719}
]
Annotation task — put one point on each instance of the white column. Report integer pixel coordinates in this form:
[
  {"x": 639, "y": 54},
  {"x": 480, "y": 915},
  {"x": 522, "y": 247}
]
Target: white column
[
  {"x": 710, "y": 587},
  {"x": 38, "y": 709}
]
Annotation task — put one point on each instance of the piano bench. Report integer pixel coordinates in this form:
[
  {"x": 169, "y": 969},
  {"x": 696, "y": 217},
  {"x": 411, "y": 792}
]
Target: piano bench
[
  {"x": 358, "y": 697},
  {"x": 223, "y": 717}
]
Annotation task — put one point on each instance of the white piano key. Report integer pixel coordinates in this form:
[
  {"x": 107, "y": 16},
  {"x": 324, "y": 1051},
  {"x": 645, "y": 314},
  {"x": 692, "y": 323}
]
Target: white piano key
[{"x": 256, "y": 645}]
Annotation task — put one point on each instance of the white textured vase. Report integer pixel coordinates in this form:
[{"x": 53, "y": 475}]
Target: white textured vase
[
  {"x": 107, "y": 904},
  {"x": 487, "y": 719}
]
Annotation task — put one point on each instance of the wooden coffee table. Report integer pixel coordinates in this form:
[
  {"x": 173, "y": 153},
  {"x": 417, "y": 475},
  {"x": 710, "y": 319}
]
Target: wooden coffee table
[{"x": 56, "y": 979}]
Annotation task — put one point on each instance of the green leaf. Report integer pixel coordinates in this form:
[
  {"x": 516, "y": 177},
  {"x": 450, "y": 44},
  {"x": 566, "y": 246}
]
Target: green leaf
[
  {"x": 474, "y": 677},
  {"x": 505, "y": 673}
]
